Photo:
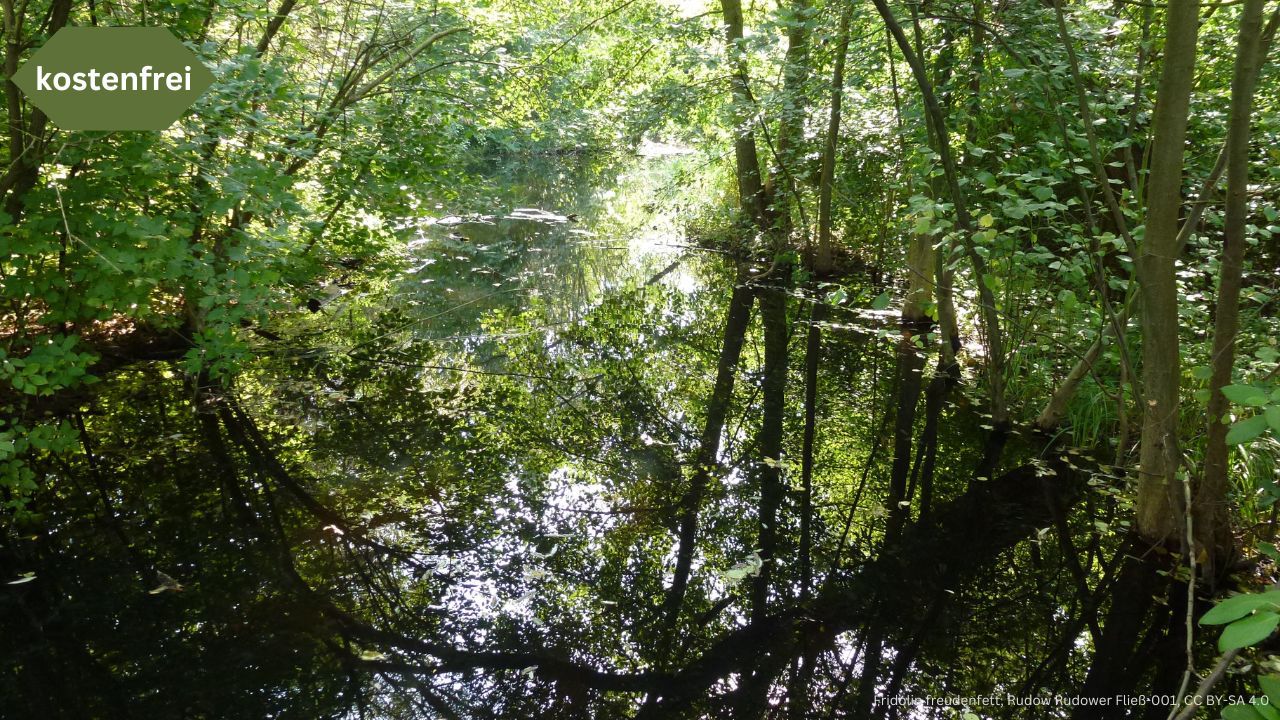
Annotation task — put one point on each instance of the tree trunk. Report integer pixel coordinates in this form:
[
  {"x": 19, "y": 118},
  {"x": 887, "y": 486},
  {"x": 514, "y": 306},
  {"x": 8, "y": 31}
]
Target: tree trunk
[
  {"x": 921, "y": 263},
  {"x": 751, "y": 194},
  {"x": 773, "y": 316},
  {"x": 1211, "y": 521},
  {"x": 910, "y": 364},
  {"x": 798, "y": 695},
  {"x": 790, "y": 118},
  {"x": 990, "y": 320},
  {"x": 1159, "y": 504},
  {"x": 26, "y": 143},
  {"x": 735, "y": 330},
  {"x": 823, "y": 259}
]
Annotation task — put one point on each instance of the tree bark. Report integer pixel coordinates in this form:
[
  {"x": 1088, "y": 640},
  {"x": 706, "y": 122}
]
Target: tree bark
[
  {"x": 751, "y": 194},
  {"x": 1210, "y": 505},
  {"x": 823, "y": 258},
  {"x": 1159, "y": 504},
  {"x": 790, "y": 118},
  {"x": 26, "y": 141}
]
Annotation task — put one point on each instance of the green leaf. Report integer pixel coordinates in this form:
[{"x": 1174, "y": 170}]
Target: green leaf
[
  {"x": 1263, "y": 708},
  {"x": 882, "y": 301},
  {"x": 1272, "y": 414},
  {"x": 1240, "y": 712},
  {"x": 1246, "y": 430},
  {"x": 1237, "y": 606},
  {"x": 1271, "y": 686},
  {"x": 986, "y": 221},
  {"x": 1270, "y": 551},
  {"x": 1245, "y": 394},
  {"x": 1248, "y": 631}
]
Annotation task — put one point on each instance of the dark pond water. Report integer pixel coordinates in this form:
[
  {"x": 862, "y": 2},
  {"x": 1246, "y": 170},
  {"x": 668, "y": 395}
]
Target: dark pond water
[{"x": 469, "y": 488}]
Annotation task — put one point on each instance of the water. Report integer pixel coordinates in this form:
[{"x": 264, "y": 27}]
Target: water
[{"x": 456, "y": 490}]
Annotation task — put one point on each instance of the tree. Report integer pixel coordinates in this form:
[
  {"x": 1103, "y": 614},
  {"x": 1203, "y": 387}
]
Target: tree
[{"x": 1161, "y": 504}]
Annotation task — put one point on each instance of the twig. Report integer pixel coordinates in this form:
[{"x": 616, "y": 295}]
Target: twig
[{"x": 1207, "y": 684}]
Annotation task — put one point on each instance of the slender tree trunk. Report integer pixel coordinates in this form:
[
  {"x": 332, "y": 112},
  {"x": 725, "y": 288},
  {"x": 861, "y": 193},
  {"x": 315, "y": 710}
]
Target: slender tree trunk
[
  {"x": 798, "y": 696},
  {"x": 773, "y": 316},
  {"x": 921, "y": 262},
  {"x": 821, "y": 262},
  {"x": 755, "y": 205},
  {"x": 1159, "y": 503},
  {"x": 927, "y": 455},
  {"x": 812, "y": 358},
  {"x": 823, "y": 259},
  {"x": 910, "y": 383},
  {"x": 790, "y": 118},
  {"x": 26, "y": 141},
  {"x": 1052, "y": 413},
  {"x": 990, "y": 321},
  {"x": 735, "y": 330},
  {"x": 872, "y": 656},
  {"x": 751, "y": 194},
  {"x": 1117, "y": 662},
  {"x": 942, "y": 269},
  {"x": 1210, "y": 514},
  {"x": 977, "y": 67}
]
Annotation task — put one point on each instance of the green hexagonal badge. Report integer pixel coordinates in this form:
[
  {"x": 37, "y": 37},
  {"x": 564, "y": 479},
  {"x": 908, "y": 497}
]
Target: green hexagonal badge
[{"x": 121, "y": 78}]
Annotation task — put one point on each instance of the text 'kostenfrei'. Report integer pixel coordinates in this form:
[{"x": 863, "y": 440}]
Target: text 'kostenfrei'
[{"x": 146, "y": 79}]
